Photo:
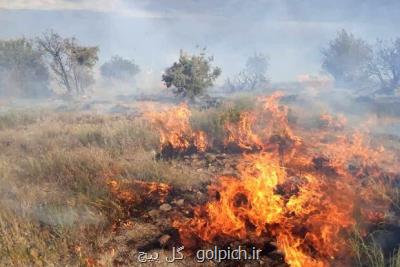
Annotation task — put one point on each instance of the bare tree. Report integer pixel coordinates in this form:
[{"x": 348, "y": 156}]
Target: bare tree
[
  {"x": 71, "y": 63},
  {"x": 385, "y": 65},
  {"x": 254, "y": 75}
]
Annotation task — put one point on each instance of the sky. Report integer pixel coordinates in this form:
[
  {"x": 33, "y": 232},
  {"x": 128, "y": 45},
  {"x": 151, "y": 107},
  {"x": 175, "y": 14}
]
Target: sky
[{"x": 291, "y": 32}]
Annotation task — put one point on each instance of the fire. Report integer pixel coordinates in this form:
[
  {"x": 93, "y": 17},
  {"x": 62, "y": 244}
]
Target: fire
[
  {"x": 333, "y": 122},
  {"x": 241, "y": 133},
  {"x": 301, "y": 212},
  {"x": 302, "y": 188},
  {"x": 264, "y": 128},
  {"x": 135, "y": 192},
  {"x": 175, "y": 130}
]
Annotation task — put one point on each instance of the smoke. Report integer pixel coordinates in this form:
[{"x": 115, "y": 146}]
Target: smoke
[{"x": 152, "y": 32}]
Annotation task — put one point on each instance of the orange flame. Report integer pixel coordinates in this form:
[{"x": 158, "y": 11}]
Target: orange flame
[
  {"x": 241, "y": 133},
  {"x": 175, "y": 130},
  {"x": 134, "y": 192},
  {"x": 302, "y": 191},
  {"x": 257, "y": 205},
  {"x": 258, "y": 130}
]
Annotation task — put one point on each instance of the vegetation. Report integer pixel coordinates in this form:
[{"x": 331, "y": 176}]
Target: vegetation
[
  {"x": 119, "y": 68},
  {"x": 56, "y": 208},
  {"x": 385, "y": 66},
  {"x": 353, "y": 62},
  {"x": 56, "y": 205},
  {"x": 347, "y": 59},
  {"x": 191, "y": 75},
  {"x": 26, "y": 67},
  {"x": 23, "y": 72},
  {"x": 253, "y": 77},
  {"x": 369, "y": 253},
  {"x": 212, "y": 121},
  {"x": 70, "y": 62}
]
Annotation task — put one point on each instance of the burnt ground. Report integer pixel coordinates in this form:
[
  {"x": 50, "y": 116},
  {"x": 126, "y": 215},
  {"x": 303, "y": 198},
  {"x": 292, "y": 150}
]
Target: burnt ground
[{"x": 148, "y": 228}]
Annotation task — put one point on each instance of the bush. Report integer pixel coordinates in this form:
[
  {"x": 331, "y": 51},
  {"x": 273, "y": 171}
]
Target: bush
[
  {"x": 191, "y": 75},
  {"x": 212, "y": 121},
  {"x": 347, "y": 59},
  {"x": 23, "y": 72},
  {"x": 119, "y": 68}
]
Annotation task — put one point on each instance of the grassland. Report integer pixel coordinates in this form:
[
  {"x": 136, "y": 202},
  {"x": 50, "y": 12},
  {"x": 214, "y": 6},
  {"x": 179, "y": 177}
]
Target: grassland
[
  {"x": 55, "y": 204},
  {"x": 56, "y": 207}
]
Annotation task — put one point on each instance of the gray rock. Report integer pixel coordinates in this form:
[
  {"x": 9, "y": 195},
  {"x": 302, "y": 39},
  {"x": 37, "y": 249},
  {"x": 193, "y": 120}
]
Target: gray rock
[
  {"x": 165, "y": 207},
  {"x": 154, "y": 213},
  {"x": 210, "y": 157},
  {"x": 180, "y": 202}
]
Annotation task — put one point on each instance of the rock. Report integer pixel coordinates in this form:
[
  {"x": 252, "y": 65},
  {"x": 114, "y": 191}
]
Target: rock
[
  {"x": 199, "y": 170},
  {"x": 196, "y": 162},
  {"x": 221, "y": 156},
  {"x": 154, "y": 213},
  {"x": 165, "y": 207},
  {"x": 210, "y": 157},
  {"x": 180, "y": 202},
  {"x": 164, "y": 240}
]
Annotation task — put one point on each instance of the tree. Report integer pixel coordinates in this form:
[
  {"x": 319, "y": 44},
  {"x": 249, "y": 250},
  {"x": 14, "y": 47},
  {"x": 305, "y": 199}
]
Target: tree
[
  {"x": 254, "y": 75},
  {"x": 23, "y": 71},
  {"x": 385, "y": 66},
  {"x": 257, "y": 65},
  {"x": 71, "y": 63},
  {"x": 347, "y": 59},
  {"x": 191, "y": 75},
  {"x": 119, "y": 68}
]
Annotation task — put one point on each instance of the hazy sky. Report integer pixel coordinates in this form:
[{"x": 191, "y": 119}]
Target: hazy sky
[{"x": 291, "y": 32}]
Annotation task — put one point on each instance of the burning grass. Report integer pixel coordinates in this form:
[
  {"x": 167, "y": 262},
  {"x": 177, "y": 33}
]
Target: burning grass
[
  {"x": 298, "y": 186},
  {"x": 76, "y": 187}
]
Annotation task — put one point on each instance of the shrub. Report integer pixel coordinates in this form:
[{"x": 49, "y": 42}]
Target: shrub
[{"x": 191, "y": 75}]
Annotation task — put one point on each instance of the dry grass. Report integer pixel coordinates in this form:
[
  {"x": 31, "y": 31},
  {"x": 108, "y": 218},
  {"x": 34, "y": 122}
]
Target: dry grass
[
  {"x": 14, "y": 118},
  {"x": 212, "y": 121},
  {"x": 369, "y": 253},
  {"x": 55, "y": 204}
]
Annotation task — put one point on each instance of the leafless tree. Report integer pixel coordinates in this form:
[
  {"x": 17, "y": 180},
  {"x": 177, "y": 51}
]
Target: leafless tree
[
  {"x": 254, "y": 75},
  {"x": 71, "y": 63},
  {"x": 385, "y": 65}
]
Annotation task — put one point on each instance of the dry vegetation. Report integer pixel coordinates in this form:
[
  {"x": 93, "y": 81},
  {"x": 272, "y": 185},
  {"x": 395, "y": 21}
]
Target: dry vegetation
[{"x": 56, "y": 204}]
